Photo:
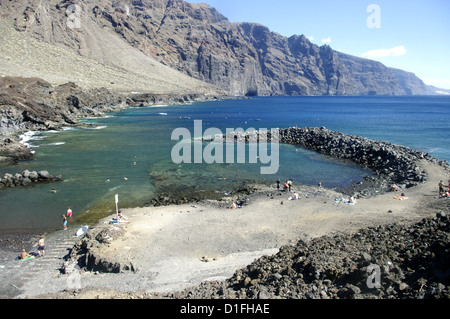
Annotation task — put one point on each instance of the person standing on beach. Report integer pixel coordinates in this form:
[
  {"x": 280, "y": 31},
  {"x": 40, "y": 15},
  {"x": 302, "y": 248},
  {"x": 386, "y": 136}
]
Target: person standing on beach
[
  {"x": 278, "y": 184},
  {"x": 41, "y": 247},
  {"x": 69, "y": 214},
  {"x": 64, "y": 221}
]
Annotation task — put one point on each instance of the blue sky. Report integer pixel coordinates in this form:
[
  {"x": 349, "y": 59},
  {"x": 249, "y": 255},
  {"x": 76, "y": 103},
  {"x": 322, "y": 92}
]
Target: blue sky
[{"x": 412, "y": 35}]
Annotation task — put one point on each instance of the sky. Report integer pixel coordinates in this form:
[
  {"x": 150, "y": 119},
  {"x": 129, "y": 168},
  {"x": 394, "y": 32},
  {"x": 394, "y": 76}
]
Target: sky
[{"x": 412, "y": 35}]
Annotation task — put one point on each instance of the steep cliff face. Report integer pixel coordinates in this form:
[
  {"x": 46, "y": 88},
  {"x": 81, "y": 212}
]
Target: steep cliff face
[
  {"x": 61, "y": 42},
  {"x": 249, "y": 59},
  {"x": 241, "y": 58}
]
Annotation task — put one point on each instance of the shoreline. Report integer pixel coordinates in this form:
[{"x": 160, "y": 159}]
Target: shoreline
[
  {"x": 14, "y": 240},
  {"x": 164, "y": 250},
  {"x": 402, "y": 170},
  {"x": 208, "y": 238}
]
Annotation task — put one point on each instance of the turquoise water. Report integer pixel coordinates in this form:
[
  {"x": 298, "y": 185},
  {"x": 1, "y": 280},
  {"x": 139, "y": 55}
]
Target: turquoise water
[{"x": 129, "y": 152}]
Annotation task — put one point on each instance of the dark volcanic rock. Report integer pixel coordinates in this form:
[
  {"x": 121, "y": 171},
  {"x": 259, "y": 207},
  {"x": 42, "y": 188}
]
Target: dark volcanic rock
[
  {"x": 34, "y": 104},
  {"x": 12, "y": 151}
]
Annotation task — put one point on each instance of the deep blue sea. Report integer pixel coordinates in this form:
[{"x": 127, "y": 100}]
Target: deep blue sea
[{"x": 129, "y": 153}]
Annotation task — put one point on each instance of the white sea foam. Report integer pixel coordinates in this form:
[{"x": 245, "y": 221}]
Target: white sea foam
[
  {"x": 69, "y": 129},
  {"x": 100, "y": 127},
  {"x": 30, "y": 136},
  {"x": 90, "y": 118},
  {"x": 55, "y": 144}
]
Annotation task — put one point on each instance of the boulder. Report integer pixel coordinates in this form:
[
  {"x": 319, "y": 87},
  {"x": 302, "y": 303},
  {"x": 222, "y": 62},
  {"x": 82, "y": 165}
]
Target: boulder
[
  {"x": 26, "y": 181},
  {"x": 26, "y": 173},
  {"x": 34, "y": 176},
  {"x": 7, "y": 176},
  {"x": 44, "y": 175}
]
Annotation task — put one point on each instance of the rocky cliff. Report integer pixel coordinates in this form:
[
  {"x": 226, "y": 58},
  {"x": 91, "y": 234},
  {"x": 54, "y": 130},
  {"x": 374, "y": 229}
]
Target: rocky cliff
[
  {"x": 195, "y": 39},
  {"x": 34, "y": 104},
  {"x": 43, "y": 39}
]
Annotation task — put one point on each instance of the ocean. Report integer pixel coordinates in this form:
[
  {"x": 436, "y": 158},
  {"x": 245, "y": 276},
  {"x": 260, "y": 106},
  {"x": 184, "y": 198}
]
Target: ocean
[{"x": 129, "y": 152}]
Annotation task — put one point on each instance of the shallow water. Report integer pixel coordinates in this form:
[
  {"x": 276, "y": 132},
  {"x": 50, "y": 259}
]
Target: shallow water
[{"x": 129, "y": 153}]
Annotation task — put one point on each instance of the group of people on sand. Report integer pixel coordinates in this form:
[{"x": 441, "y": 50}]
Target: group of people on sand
[
  {"x": 237, "y": 204},
  {"x": 41, "y": 246},
  {"x": 287, "y": 186},
  {"x": 40, "y": 251},
  {"x": 395, "y": 188},
  {"x": 444, "y": 193}
]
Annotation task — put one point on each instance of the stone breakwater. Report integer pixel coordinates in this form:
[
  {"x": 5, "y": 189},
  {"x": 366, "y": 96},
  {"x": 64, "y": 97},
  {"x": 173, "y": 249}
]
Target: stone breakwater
[
  {"x": 391, "y": 164},
  {"x": 27, "y": 178}
]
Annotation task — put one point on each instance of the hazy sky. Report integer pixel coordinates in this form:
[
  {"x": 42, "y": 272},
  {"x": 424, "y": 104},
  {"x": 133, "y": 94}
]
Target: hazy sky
[{"x": 412, "y": 35}]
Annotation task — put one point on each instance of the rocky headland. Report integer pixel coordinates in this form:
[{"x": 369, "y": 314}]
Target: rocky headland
[
  {"x": 33, "y": 104},
  {"x": 12, "y": 151}
]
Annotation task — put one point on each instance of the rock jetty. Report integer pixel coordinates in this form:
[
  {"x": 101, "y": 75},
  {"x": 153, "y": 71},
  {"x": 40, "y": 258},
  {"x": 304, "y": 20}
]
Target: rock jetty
[
  {"x": 392, "y": 164},
  {"x": 27, "y": 178}
]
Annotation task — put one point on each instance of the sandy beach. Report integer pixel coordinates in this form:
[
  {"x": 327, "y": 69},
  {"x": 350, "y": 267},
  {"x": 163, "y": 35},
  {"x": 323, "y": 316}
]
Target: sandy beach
[{"x": 176, "y": 247}]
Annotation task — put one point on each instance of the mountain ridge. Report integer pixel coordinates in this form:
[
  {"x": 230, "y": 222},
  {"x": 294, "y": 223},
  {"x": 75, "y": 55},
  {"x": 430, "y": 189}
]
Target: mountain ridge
[
  {"x": 241, "y": 59},
  {"x": 47, "y": 48}
]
